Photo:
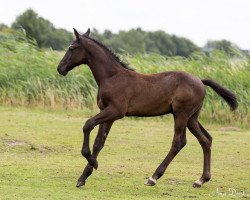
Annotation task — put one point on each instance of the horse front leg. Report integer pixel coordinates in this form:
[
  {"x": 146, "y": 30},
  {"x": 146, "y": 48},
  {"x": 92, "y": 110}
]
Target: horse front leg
[
  {"x": 97, "y": 147},
  {"x": 109, "y": 114}
]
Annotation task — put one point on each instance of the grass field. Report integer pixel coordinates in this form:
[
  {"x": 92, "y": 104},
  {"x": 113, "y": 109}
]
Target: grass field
[{"x": 40, "y": 159}]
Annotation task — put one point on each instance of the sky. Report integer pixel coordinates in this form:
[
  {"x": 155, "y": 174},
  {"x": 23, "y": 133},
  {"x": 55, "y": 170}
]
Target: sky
[{"x": 198, "y": 20}]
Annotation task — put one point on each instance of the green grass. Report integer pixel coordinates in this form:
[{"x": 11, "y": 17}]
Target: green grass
[{"x": 40, "y": 159}]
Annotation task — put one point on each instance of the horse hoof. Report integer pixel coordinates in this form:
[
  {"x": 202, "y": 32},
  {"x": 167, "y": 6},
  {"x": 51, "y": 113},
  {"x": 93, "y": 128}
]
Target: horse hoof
[
  {"x": 197, "y": 184},
  {"x": 80, "y": 183},
  {"x": 150, "y": 182}
]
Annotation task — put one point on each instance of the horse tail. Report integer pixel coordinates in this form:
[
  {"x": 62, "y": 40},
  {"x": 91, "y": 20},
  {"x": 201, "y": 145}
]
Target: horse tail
[{"x": 227, "y": 95}]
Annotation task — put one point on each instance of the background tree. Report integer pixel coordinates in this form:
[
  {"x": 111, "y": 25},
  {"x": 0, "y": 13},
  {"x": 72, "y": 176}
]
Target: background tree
[
  {"x": 160, "y": 42},
  {"x": 3, "y": 26},
  {"x": 133, "y": 41},
  {"x": 42, "y": 30},
  {"x": 222, "y": 45},
  {"x": 184, "y": 47},
  {"x": 139, "y": 41}
]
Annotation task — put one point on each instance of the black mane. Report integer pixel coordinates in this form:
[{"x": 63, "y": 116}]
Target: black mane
[{"x": 125, "y": 65}]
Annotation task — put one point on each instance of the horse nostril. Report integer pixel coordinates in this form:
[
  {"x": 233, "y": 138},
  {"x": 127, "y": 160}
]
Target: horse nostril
[
  {"x": 59, "y": 70},
  {"x": 62, "y": 71}
]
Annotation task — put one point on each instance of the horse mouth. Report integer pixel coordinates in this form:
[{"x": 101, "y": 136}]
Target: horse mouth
[{"x": 62, "y": 72}]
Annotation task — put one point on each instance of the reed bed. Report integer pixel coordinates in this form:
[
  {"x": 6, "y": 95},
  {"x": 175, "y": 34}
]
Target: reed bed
[{"x": 28, "y": 77}]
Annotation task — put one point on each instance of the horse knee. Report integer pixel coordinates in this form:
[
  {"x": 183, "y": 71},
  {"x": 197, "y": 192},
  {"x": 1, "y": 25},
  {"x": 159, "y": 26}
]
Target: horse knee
[
  {"x": 210, "y": 140},
  {"x": 88, "y": 126},
  {"x": 209, "y": 144},
  {"x": 183, "y": 143},
  {"x": 178, "y": 145},
  {"x": 206, "y": 145},
  {"x": 85, "y": 152}
]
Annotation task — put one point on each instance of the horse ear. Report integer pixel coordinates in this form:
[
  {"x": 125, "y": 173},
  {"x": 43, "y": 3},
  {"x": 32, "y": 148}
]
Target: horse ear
[
  {"x": 76, "y": 34},
  {"x": 87, "y": 32}
]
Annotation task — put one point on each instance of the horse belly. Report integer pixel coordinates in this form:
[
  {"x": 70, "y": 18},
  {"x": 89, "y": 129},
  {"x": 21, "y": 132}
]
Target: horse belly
[{"x": 150, "y": 107}]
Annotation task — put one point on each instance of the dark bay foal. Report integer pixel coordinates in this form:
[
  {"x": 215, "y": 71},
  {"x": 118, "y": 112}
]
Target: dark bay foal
[{"x": 124, "y": 92}]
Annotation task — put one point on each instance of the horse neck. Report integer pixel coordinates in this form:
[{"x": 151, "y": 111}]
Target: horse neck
[{"x": 102, "y": 64}]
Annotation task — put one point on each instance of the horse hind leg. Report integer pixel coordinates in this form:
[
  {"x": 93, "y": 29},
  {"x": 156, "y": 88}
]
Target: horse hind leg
[
  {"x": 205, "y": 141},
  {"x": 179, "y": 141}
]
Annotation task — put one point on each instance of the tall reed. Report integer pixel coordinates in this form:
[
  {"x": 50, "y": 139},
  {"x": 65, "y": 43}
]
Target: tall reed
[{"x": 28, "y": 77}]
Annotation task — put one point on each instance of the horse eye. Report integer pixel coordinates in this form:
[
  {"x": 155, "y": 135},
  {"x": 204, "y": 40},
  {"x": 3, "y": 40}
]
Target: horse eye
[{"x": 73, "y": 46}]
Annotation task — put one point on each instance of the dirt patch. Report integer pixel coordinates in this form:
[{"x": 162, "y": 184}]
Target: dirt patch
[
  {"x": 174, "y": 181},
  {"x": 16, "y": 143},
  {"x": 229, "y": 128},
  {"x": 40, "y": 148}
]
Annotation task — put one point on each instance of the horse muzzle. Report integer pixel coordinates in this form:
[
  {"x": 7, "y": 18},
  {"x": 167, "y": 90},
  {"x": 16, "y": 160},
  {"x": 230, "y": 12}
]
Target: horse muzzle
[{"x": 62, "y": 71}]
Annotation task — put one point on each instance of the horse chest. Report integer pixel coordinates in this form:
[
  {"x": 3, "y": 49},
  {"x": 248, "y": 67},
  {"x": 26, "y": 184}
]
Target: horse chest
[
  {"x": 100, "y": 104},
  {"x": 103, "y": 99}
]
